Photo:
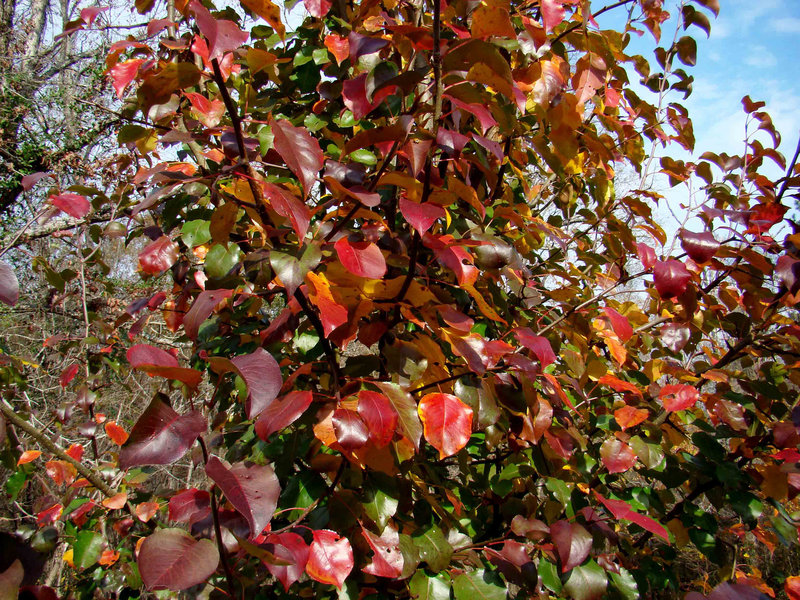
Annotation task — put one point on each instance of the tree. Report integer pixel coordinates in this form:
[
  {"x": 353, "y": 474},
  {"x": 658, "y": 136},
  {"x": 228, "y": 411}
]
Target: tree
[{"x": 428, "y": 350}]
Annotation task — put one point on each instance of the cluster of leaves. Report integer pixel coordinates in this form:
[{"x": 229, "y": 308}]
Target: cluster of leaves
[{"x": 433, "y": 351}]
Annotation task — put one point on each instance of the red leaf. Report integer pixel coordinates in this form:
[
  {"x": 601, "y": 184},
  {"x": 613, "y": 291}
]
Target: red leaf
[
  {"x": 331, "y": 312},
  {"x": 330, "y": 558},
  {"x": 80, "y": 515},
  {"x": 68, "y": 375},
  {"x": 299, "y": 150},
  {"x": 361, "y": 258},
  {"x": 60, "y": 471},
  {"x": 161, "y": 436},
  {"x": 387, "y": 560},
  {"x": 74, "y": 205},
  {"x": 201, "y": 309},
  {"x": 701, "y": 247},
  {"x": 628, "y": 416},
  {"x": 222, "y": 35},
  {"x": 338, "y": 46},
  {"x": 318, "y": 8},
  {"x": 28, "y": 181},
  {"x": 420, "y": 216},
  {"x": 552, "y": 13},
  {"x": 406, "y": 408},
  {"x": 379, "y": 415},
  {"x": 282, "y": 413},
  {"x": 123, "y": 73},
  {"x": 89, "y": 14},
  {"x": 263, "y": 377},
  {"x": 572, "y": 543},
  {"x": 158, "y": 256},
  {"x": 146, "y": 511},
  {"x": 453, "y": 256},
  {"x": 763, "y": 216},
  {"x": 50, "y": 515},
  {"x": 446, "y": 421},
  {"x": 288, "y": 205},
  {"x": 619, "y": 385},
  {"x": 677, "y": 397},
  {"x": 620, "y": 324},
  {"x": 189, "y": 506},
  {"x": 622, "y": 511},
  {"x": 539, "y": 345},
  {"x": 351, "y": 432},
  {"x": 75, "y": 451},
  {"x": 157, "y": 362},
  {"x": 290, "y": 548},
  {"x": 792, "y": 587},
  {"x": 252, "y": 490},
  {"x": 674, "y": 336},
  {"x": 647, "y": 255},
  {"x": 671, "y": 277},
  {"x": 617, "y": 456},
  {"x": 9, "y": 286},
  {"x": 171, "y": 559}
]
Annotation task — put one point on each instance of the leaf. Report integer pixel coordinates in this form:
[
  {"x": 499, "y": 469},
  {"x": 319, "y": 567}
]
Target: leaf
[
  {"x": 351, "y": 432},
  {"x": 671, "y": 278},
  {"x": 387, "y": 560},
  {"x": 587, "y": 582},
  {"x": 677, "y": 397},
  {"x": 268, "y": 11},
  {"x": 68, "y": 375},
  {"x": 619, "y": 323},
  {"x": 263, "y": 377},
  {"x": 318, "y": 8},
  {"x": 222, "y": 259},
  {"x": 792, "y": 587},
  {"x": 161, "y": 436},
  {"x": 158, "y": 256},
  {"x": 253, "y": 490},
  {"x": 628, "y": 416},
  {"x": 617, "y": 456},
  {"x": 61, "y": 471},
  {"x": 552, "y": 13},
  {"x": 539, "y": 345},
  {"x": 189, "y": 506},
  {"x": 28, "y": 456},
  {"x": 157, "y": 362},
  {"x": 572, "y": 543},
  {"x": 480, "y": 584},
  {"x": 9, "y": 286},
  {"x": 292, "y": 271},
  {"x": 675, "y": 336},
  {"x": 426, "y": 587},
  {"x": 87, "y": 549},
  {"x": 619, "y": 385},
  {"x": 489, "y": 21},
  {"x": 331, "y": 313},
  {"x": 433, "y": 547},
  {"x": 74, "y": 205},
  {"x": 291, "y": 548},
  {"x": 201, "y": 309},
  {"x": 447, "y": 422},
  {"x": 28, "y": 181},
  {"x": 158, "y": 86},
  {"x": 288, "y": 205},
  {"x": 406, "y": 408},
  {"x": 687, "y": 50},
  {"x": 171, "y": 559},
  {"x": 330, "y": 558},
  {"x": 701, "y": 247},
  {"x": 299, "y": 150},
  {"x": 420, "y": 216},
  {"x": 282, "y": 413},
  {"x": 10, "y": 580},
  {"x": 338, "y": 46},
  {"x": 647, "y": 255},
  {"x": 361, "y": 258},
  {"x": 622, "y": 511},
  {"x": 379, "y": 415},
  {"x": 222, "y": 35}
]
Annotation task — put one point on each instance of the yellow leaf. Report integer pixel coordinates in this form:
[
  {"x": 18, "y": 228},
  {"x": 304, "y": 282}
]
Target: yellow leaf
[
  {"x": 268, "y": 11},
  {"x": 483, "y": 306},
  {"x": 67, "y": 558}
]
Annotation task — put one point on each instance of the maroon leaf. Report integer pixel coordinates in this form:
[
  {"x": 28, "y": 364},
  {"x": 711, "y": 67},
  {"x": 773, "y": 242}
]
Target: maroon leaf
[
  {"x": 318, "y": 8},
  {"x": 675, "y": 336},
  {"x": 171, "y": 559},
  {"x": 620, "y": 324},
  {"x": 406, "y": 408},
  {"x": 361, "y": 45},
  {"x": 290, "y": 548},
  {"x": 420, "y": 216},
  {"x": 379, "y": 415},
  {"x": 788, "y": 271},
  {"x": 622, "y": 511},
  {"x": 447, "y": 422},
  {"x": 299, "y": 150},
  {"x": 68, "y": 375},
  {"x": 671, "y": 278},
  {"x": 361, "y": 258},
  {"x": 161, "y": 436},
  {"x": 701, "y": 247},
  {"x": 617, "y": 456},
  {"x": 677, "y": 397},
  {"x": 288, "y": 205},
  {"x": 647, "y": 255},
  {"x": 9, "y": 286},
  {"x": 282, "y": 413},
  {"x": 253, "y": 490},
  {"x": 158, "y": 256},
  {"x": 330, "y": 558},
  {"x": 189, "y": 506},
  {"x": 157, "y": 362},
  {"x": 572, "y": 543},
  {"x": 539, "y": 345},
  {"x": 222, "y": 35},
  {"x": 28, "y": 181},
  {"x": 387, "y": 560},
  {"x": 351, "y": 432},
  {"x": 263, "y": 377},
  {"x": 74, "y": 205},
  {"x": 201, "y": 309}
]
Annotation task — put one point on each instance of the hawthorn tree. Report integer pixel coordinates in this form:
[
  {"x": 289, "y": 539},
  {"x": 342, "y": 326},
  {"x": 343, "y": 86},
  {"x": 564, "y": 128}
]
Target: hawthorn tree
[{"x": 428, "y": 350}]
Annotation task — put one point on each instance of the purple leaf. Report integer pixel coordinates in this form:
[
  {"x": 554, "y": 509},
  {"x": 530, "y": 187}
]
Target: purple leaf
[
  {"x": 282, "y": 413},
  {"x": 572, "y": 542},
  {"x": 253, "y": 490},
  {"x": 288, "y": 205},
  {"x": 262, "y": 375},
  {"x": 361, "y": 45},
  {"x": 9, "y": 286},
  {"x": 201, "y": 309},
  {"x": 157, "y": 362},
  {"x": 291, "y": 548},
  {"x": 161, "y": 436},
  {"x": 171, "y": 559},
  {"x": 222, "y": 35},
  {"x": 701, "y": 247},
  {"x": 351, "y": 431},
  {"x": 189, "y": 506},
  {"x": 788, "y": 271},
  {"x": 299, "y": 150},
  {"x": 671, "y": 277},
  {"x": 28, "y": 181},
  {"x": 539, "y": 345}
]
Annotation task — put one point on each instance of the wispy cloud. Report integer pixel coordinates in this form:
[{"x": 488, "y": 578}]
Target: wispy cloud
[
  {"x": 760, "y": 56},
  {"x": 786, "y": 25}
]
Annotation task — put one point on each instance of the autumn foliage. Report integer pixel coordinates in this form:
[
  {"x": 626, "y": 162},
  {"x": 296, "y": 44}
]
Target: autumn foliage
[{"x": 427, "y": 343}]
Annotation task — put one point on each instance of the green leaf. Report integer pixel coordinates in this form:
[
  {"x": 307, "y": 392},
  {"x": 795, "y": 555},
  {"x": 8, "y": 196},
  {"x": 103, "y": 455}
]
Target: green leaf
[
  {"x": 425, "y": 587},
  {"x": 221, "y": 258},
  {"x": 433, "y": 547},
  {"x": 131, "y": 133},
  {"x": 15, "y": 483},
  {"x": 196, "y": 233},
  {"x": 380, "y": 504},
  {"x": 87, "y": 549},
  {"x": 651, "y": 455},
  {"x": 301, "y": 491},
  {"x": 624, "y": 583},
  {"x": 364, "y": 156},
  {"x": 479, "y": 585},
  {"x": 586, "y": 582},
  {"x": 548, "y": 573}
]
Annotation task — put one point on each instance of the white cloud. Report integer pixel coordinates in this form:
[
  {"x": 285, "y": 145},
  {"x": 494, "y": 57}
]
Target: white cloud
[
  {"x": 760, "y": 56},
  {"x": 786, "y": 25}
]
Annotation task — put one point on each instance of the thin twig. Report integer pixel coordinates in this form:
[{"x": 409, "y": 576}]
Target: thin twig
[{"x": 785, "y": 184}]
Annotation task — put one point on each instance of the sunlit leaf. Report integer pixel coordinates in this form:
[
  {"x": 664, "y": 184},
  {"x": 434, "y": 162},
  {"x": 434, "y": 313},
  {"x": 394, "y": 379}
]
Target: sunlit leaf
[
  {"x": 572, "y": 543},
  {"x": 330, "y": 558},
  {"x": 282, "y": 412},
  {"x": 447, "y": 422}
]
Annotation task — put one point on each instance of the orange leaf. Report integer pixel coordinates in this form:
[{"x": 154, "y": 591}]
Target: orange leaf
[
  {"x": 60, "y": 471},
  {"x": 146, "y": 511},
  {"x": 116, "y": 502},
  {"x": 116, "y": 433},
  {"x": 628, "y": 416},
  {"x": 108, "y": 558},
  {"x": 75, "y": 451},
  {"x": 29, "y": 456},
  {"x": 488, "y": 21},
  {"x": 792, "y": 587},
  {"x": 619, "y": 385},
  {"x": 447, "y": 422}
]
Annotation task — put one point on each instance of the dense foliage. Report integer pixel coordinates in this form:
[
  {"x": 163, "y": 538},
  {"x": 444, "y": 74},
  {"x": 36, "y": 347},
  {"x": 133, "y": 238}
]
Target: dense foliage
[{"x": 425, "y": 345}]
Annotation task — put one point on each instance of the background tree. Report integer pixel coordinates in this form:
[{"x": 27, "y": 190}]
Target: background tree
[{"x": 422, "y": 346}]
